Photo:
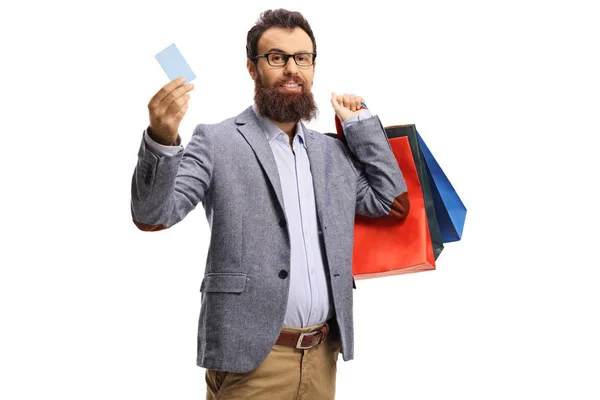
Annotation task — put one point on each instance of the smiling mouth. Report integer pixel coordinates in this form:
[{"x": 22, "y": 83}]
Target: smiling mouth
[{"x": 291, "y": 86}]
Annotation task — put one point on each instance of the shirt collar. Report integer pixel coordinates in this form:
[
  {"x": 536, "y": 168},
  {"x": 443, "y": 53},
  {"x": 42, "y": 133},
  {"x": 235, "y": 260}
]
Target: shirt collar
[{"x": 273, "y": 132}]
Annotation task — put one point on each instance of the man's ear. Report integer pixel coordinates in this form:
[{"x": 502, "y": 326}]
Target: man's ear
[{"x": 251, "y": 69}]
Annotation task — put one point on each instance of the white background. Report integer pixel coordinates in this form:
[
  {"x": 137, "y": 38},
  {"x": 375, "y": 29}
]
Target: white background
[{"x": 505, "y": 93}]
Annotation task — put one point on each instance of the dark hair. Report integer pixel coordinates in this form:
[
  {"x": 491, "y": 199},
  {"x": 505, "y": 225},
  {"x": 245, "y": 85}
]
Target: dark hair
[{"x": 279, "y": 18}]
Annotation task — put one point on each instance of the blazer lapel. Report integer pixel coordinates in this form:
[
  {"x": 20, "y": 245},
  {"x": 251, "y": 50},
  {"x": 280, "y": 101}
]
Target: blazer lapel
[
  {"x": 252, "y": 131},
  {"x": 316, "y": 157}
]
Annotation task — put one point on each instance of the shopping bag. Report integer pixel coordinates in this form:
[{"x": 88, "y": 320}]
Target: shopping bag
[
  {"x": 449, "y": 208},
  {"x": 384, "y": 247},
  {"x": 410, "y": 132}
]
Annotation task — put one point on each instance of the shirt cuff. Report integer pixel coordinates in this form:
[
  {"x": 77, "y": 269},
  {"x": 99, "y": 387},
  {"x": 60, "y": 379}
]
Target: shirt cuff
[
  {"x": 161, "y": 149},
  {"x": 362, "y": 115}
]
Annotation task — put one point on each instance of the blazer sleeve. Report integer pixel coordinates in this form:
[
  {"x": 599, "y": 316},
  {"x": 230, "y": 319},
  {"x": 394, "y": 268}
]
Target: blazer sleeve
[
  {"x": 165, "y": 188},
  {"x": 381, "y": 189}
]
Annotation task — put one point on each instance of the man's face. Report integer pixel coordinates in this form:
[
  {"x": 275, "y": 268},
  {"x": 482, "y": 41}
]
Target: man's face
[{"x": 284, "y": 93}]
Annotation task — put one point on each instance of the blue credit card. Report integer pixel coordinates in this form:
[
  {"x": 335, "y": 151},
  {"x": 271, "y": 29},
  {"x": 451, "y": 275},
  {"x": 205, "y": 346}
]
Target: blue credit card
[{"x": 174, "y": 65}]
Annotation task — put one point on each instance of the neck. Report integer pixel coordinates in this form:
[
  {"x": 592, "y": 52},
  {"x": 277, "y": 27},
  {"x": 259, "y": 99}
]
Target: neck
[{"x": 287, "y": 127}]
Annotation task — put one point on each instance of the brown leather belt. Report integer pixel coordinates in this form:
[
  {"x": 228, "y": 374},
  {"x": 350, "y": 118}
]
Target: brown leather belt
[{"x": 304, "y": 340}]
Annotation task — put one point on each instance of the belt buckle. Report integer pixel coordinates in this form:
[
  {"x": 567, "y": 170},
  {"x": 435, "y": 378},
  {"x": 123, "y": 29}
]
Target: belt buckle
[{"x": 299, "y": 344}]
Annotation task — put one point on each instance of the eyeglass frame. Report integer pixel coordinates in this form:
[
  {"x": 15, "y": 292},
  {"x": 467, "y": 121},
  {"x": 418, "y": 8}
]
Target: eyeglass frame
[{"x": 288, "y": 56}]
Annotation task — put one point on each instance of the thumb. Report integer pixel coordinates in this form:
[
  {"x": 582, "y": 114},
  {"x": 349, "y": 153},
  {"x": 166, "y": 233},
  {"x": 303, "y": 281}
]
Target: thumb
[{"x": 334, "y": 103}]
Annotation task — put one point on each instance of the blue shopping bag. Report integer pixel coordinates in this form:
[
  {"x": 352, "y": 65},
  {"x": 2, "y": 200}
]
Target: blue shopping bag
[{"x": 450, "y": 210}]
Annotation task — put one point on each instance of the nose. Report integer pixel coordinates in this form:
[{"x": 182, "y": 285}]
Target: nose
[{"x": 290, "y": 67}]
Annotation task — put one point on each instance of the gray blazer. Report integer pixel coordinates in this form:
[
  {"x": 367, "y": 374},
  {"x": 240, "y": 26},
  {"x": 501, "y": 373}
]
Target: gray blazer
[{"x": 230, "y": 168}]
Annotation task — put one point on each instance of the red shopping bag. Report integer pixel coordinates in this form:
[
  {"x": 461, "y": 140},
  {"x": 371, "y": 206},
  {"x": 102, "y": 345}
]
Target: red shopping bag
[{"x": 384, "y": 247}]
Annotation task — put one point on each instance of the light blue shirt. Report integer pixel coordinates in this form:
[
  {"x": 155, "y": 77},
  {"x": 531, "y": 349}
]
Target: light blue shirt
[{"x": 309, "y": 302}]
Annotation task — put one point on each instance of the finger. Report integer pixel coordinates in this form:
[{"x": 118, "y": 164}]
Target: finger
[
  {"x": 166, "y": 103},
  {"x": 176, "y": 105},
  {"x": 349, "y": 101},
  {"x": 175, "y": 113},
  {"x": 166, "y": 89},
  {"x": 179, "y": 115},
  {"x": 175, "y": 94},
  {"x": 353, "y": 103},
  {"x": 335, "y": 101},
  {"x": 346, "y": 100},
  {"x": 357, "y": 102},
  {"x": 157, "y": 107}
]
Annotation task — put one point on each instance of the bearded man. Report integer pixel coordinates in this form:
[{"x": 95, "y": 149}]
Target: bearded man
[{"x": 280, "y": 199}]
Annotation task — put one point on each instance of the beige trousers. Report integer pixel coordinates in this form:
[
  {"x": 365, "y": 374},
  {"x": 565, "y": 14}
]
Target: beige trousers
[{"x": 286, "y": 374}]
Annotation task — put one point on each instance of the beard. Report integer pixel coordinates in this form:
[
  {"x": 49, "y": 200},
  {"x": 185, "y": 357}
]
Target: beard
[{"x": 283, "y": 107}]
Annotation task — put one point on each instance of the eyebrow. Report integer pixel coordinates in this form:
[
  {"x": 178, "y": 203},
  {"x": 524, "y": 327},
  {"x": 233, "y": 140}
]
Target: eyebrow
[{"x": 277, "y": 50}]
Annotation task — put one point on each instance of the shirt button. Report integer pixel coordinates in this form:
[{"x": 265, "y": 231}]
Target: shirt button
[
  {"x": 312, "y": 271},
  {"x": 283, "y": 274}
]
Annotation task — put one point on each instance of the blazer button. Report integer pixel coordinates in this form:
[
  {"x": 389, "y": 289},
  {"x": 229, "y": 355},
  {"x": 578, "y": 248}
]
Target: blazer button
[
  {"x": 283, "y": 274},
  {"x": 282, "y": 222}
]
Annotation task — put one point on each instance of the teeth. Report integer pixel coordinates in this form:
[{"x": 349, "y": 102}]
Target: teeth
[{"x": 290, "y": 85}]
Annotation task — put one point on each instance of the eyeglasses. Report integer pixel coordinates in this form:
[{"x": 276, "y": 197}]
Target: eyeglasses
[{"x": 279, "y": 60}]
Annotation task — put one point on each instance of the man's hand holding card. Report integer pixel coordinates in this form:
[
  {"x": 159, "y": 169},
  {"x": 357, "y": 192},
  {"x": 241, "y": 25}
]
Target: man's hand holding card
[{"x": 168, "y": 106}]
